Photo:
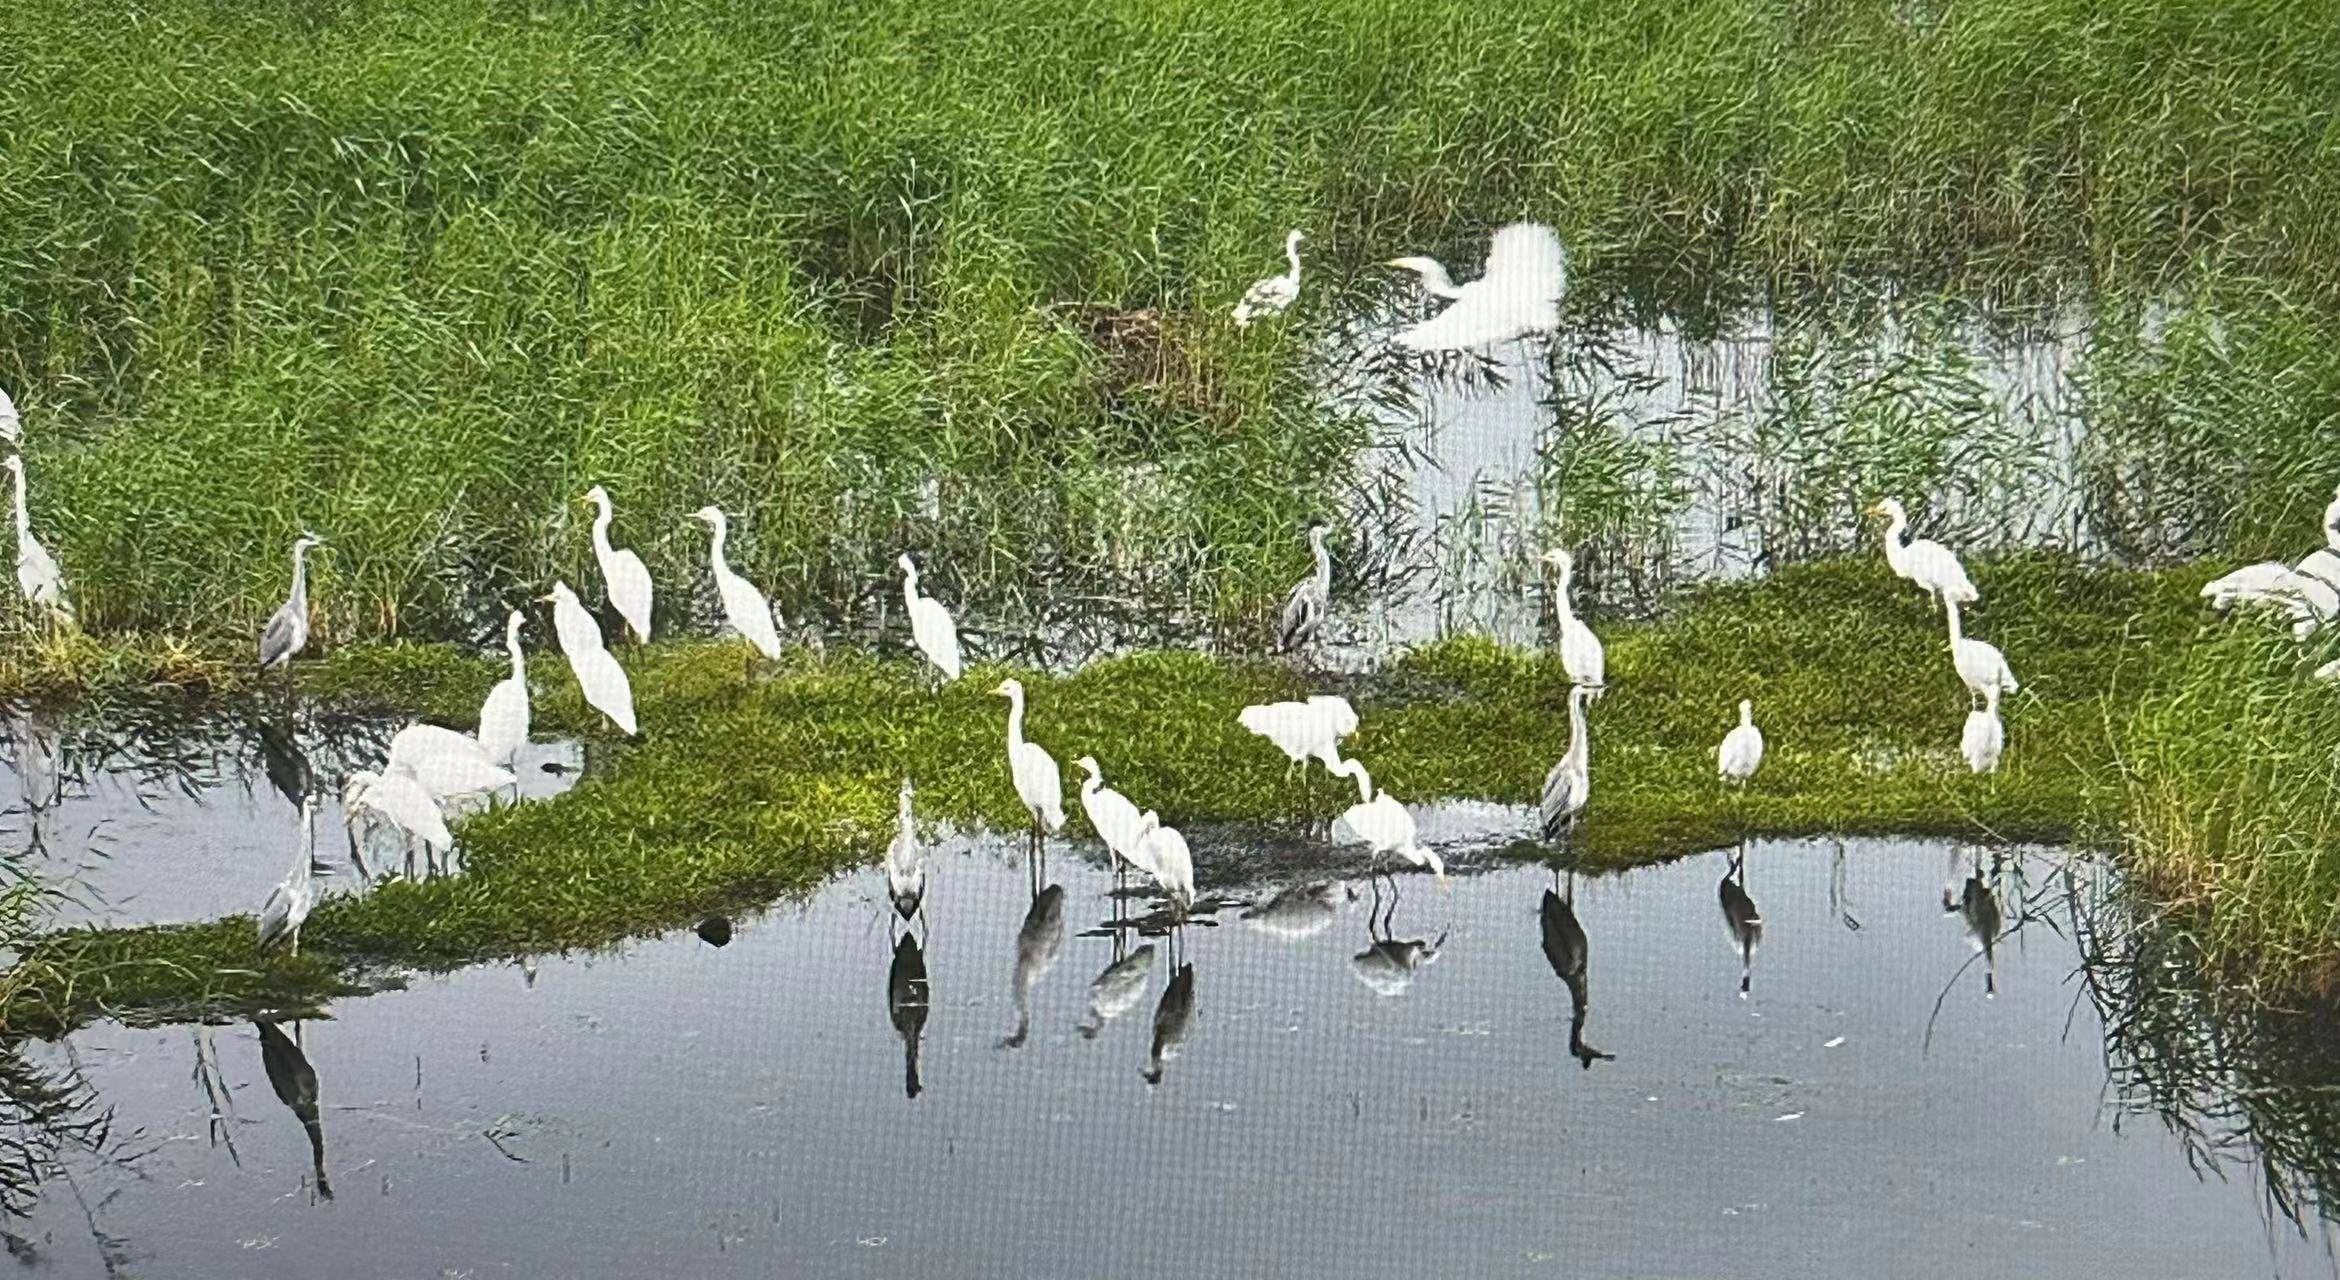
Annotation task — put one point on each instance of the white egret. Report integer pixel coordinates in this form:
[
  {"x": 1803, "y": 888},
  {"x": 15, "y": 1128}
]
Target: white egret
[
  {"x": 36, "y": 570},
  {"x": 1038, "y": 784},
  {"x": 446, "y": 763},
  {"x": 2330, "y": 671},
  {"x": 1311, "y": 599},
  {"x": 503, "y": 718},
  {"x": 1569, "y": 784},
  {"x": 1385, "y": 825},
  {"x": 287, "y": 632},
  {"x": 1980, "y": 664},
  {"x": 1303, "y": 731},
  {"x": 1741, "y": 752},
  {"x": 598, "y": 674},
  {"x": 288, "y": 906},
  {"x": 930, "y": 623},
  {"x": 1517, "y": 294},
  {"x": 2305, "y": 598},
  {"x": 1985, "y": 737},
  {"x": 1164, "y": 853},
  {"x": 1173, "y": 1018},
  {"x": 905, "y": 868},
  {"x": 1932, "y": 566},
  {"x": 402, "y": 802},
  {"x": 11, "y": 426},
  {"x": 1273, "y": 295},
  {"x": 1115, "y": 990},
  {"x": 744, "y": 607},
  {"x": 1116, "y": 821},
  {"x": 622, "y": 572},
  {"x": 1581, "y": 655}
]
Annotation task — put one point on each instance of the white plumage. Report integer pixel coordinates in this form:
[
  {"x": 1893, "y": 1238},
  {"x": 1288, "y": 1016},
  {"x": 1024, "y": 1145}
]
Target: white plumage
[
  {"x": 446, "y": 763},
  {"x": 1116, "y": 820},
  {"x": 622, "y": 573},
  {"x": 905, "y": 868},
  {"x": 1038, "y": 784},
  {"x": 1518, "y": 293},
  {"x": 1932, "y": 566},
  {"x": 1980, "y": 665},
  {"x": 503, "y": 718},
  {"x": 1985, "y": 737},
  {"x": 1275, "y": 294},
  {"x": 930, "y": 623},
  {"x": 1382, "y": 823},
  {"x": 11, "y": 426},
  {"x": 1164, "y": 853},
  {"x": 1307, "y": 730},
  {"x": 598, "y": 674},
  {"x": 1741, "y": 752},
  {"x": 1581, "y": 655},
  {"x": 36, "y": 569},
  {"x": 2306, "y": 599},
  {"x": 744, "y": 607},
  {"x": 401, "y": 801}
]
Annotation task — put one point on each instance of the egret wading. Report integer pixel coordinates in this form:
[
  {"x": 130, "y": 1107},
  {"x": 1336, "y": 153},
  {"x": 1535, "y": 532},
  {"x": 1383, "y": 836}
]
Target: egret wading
[
  {"x": 1306, "y": 607},
  {"x": 1386, "y": 827},
  {"x": 403, "y": 803},
  {"x": 1116, "y": 821},
  {"x": 503, "y": 717},
  {"x": 1273, "y": 295},
  {"x": 622, "y": 573},
  {"x": 36, "y": 570},
  {"x": 1581, "y": 655},
  {"x": 744, "y": 607},
  {"x": 930, "y": 624},
  {"x": 1981, "y": 667},
  {"x": 1569, "y": 783},
  {"x": 1932, "y": 566},
  {"x": 1038, "y": 784},
  {"x": 1517, "y": 294},
  {"x": 288, "y": 906},
  {"x": 287, "y": 632},
  {"x": 598, "y": 674},
  {"x": 905, "y": 866},
  {"x": 1167, "y": 856}
]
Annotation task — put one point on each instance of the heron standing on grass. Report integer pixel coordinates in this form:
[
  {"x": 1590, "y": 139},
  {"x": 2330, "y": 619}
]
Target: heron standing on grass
[
  {"x": 288, "y": 906},
  {"x": 287, "y": 632},
  {"x": 1310, "y": 601},
  {"x": 1273, "y": 295},
  {"x": 930, "y": 623},
  {"x": 744, "y": 607},
  {"x": 36, "y": 569},
  {"x": 622, "y": 574}
]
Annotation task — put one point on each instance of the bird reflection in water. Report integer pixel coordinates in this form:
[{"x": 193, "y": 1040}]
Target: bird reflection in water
[
  {"x": 295, "y": 1083},
  {"x": 1741, "y": 918},
  {"x": 1173, "y": 1018},
  {"x": 1038, "y": 941},
  {"x": 1302, "y": 911},
  {"x": 1117, "y": 989},
  {"x": 39, "y": 780},
  {"x": 1388, "y": 965},
  {"x": 1977, "y": 907},
  {"x": 1566, "y": 947},
  {"x": 907, "y": 1000},
  {"x": 283, "y": 761}
]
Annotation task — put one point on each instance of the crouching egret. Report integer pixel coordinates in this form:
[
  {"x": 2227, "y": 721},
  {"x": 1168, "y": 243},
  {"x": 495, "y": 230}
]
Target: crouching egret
[
  {"x": 905, "y": 869},
  {"x": 503, "y": 718},
  {"x": 598, "y": 674},
  {"x": 1932, "y": 566},
  {"x": 1984, "y": 737},
  {"x": 287, "y": 632},
  {"x": 1741, "y": 752},
  {"x": 1311, "y": 599},
  {"x": 288, "y": 906},
  {"x": 1517, "y": 294},
  {"x": 36, "y": 570},
  {"x": 744, "y": 607},
  {"x": 1303, "y": 731},
  {"x": 1382, "y": 823},
  {"x": 622, "y": 574},
  {"x": 1581, "y": 655},
  {"x": 1569, "y": 784},
  {"x": 930, "y": 623},
  {"x": 1980, "y": 664},
  {"x": 1033, "y": 771},
  {"x": 1273, "y": 295}
]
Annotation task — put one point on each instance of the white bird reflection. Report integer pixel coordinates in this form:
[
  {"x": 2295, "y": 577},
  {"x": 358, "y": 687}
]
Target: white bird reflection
[
  {"x": 1117, "y": 989},
  {"x": 1389, "y": 963},
  {"x": 1173, "y": 1019},
  {"x": 907, "y": 1000},
  {"x": 1302, "y": 911},
  {"x": 1038, "y": 941}
]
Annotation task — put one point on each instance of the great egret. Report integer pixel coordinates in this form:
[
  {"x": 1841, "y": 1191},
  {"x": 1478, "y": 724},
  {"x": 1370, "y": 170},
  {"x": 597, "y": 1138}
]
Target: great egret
[
  {"x": 1115, "y": 990},
  {"x": 1741, "y": 920},
  {"x": 1984, "y": 737},
  {"x": 11, "y": 426},
  {"x": 1273, "y": 295},
  {"x": 402, "y": 802},
  {"x": 1303, "y": 731},
  {"x": 1173, "y": 1018},
  {"x": 2323, "y": 563},
  {"x": 905, "y": 869},
  {"x": 622, "y": 573},
  {"x": 1163, "y": 852},
  {"x": 446, "y": 763},
  {"x": 1038, "y": 784},
  {"x": 907, "y": 1000},
  {"x": 1038, "y": 940},
  {"x": 503, "y": 718},
  {"x": 36, "y": 570},
  {"x": 1311, "y": 598},
  {"x": 288, "y": 906},
  {"x": 1566, "y": 949},
  {"x": 1115, "y": 820},
  {"x": 1581, "y": 655},
  {"x": 287, "y": 632},
  {"x": 1569, "y": 784},
  {"x": 598, "y": 674},
  {"x": 744, "y": 607},
  {"x": 1980, "y": 664},
  {"x": 294, "y": 1082},
  {"x": 1385, "y": 825},
  {"x": 1741, "y": 752},
  {"x": 930, "y": 623},
  {"x": 1517, "y": 294},
  {"x": 2305, "y": 598},
  {"x": 1302, "y": 911},
  {"x": 1932, "y": 566}
]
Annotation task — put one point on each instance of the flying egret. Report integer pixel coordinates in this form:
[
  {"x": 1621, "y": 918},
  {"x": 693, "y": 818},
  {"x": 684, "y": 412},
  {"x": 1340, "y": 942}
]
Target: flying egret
[
  {"x": 1038, "y": 784},
  {"x": 1271, "y": 296},
  {"x": 1980, "y": 664},
  {"x": 1164, "y": 853},
  {"x": 622, "y": 573},
  {"x": 1303, "y": 731},
  {"x": 1984, "y": 737},
  {"x": 36, "y": 570},
  {"x": 930, "y": 623},
  {"x": 11, "y": 426},
  {"x": 1115, "y": 820},
  {"x": 1741, "y": 752},
  {"x": 1385, "y": 825},
  {"x": 1741, "y": 921},
  {"x": 598, "y": 674},
  {"x": 1581, "y": 655},
  {"x": 1173, "y": 1018},
  {"x": 1311, "y": 598},
  {"x": 503, "y": 718},
  {"x": 1929, "y": 564},
  {"x": 288, "y": 906},
  {"x": 1115, "y": 990},
  {"x": 1038, "y": 940},
  {"x": 1569, "y": 784},
  {"x": 1518, "y": 293},
  {"x": 287, "y": 632},
  {"x": 744, "y": 607},
  {"x": 448, "y": 764},
  {"x": 402, "y": 802},
  {"x": 905, "y": 868}
]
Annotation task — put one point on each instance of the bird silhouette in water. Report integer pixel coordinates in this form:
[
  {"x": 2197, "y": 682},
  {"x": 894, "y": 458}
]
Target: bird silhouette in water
[
  {"x": 1117, "y": 989},
  {"x": 1388, "y": 963},
  {"x": 283, "y": 761},
  {"x": 1302, "y": 911},
  {"x": 1038, "y": 940},
  {"x": 906, "y": 1003},
  {"x": 1173, "y": 1018},
  {"x": 1566, "y": 948},
  {"x": 1741, "y": 918},
  {"x": 1977, "y": 907},
  {"x": 295, "y": 1083}
]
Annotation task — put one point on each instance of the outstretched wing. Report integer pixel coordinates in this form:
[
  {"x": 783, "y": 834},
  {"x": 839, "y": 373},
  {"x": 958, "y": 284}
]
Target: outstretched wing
[{"x": 1526, "y": 260}]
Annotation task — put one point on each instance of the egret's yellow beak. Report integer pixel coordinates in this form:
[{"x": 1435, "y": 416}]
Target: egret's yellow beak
[
  {"x": 1875, "y": 509},
  {"x": 547, "y": 598},
  {"x": 1002, "y": 689}
]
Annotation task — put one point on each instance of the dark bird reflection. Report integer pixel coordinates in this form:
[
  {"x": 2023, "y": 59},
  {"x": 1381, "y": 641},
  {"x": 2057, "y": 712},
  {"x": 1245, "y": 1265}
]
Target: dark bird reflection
[
  {"x": 1566, "y": 947},
  {"x": 1038, "y": 941},
  {"x": 1388, "y": 965},
  {"x": 1302, "y": 911},
  {"x": 1977, "y": 908},
  {"x": 906, "y": 1003},
  {"x": 1173, "y": 1018},
  {"x": 295, "y": 1083},
  {"x": 1117, "y": 989},
  {"x": 1741, "y": 918},
  {"x": 282, "y": 760},
  {"x": 715, "y": 931}
]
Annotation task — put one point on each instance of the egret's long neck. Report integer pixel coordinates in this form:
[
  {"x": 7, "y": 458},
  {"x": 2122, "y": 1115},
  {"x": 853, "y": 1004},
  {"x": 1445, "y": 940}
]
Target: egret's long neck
[
  {"x": 1894, "y": 532},
  {"x": 1577, "y": 748},
  {"x": 1292, "y": 255},
  {"x": 722, "y": 529},
  {"x": 512, "y": 647},
  {"x": 23, "y": 518},
  {"x": 1746, "y": 717},
  {"x": 910, "y": 584},
  {"x": 1957, "y": 632},
  {"x": 601, "y": 516},
  {"x": 1356, "y": 769},
  {"x": 1563, "y": 606},
  {"x": 1016, "y": 720}
]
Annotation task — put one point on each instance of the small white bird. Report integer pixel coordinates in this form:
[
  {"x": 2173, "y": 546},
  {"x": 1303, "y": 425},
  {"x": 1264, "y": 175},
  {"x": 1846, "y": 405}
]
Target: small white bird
[
  {"x": 1031, "y": 768},
  {"x": 503, "y": 718},
  {"x": 598, "y": 674},
  {"x": 287, "y": 632},
  {"x": 930, "y": 623},
  {"x": 1980, "y": 665},
  {"x": 1741, "y": 752},
  {"x": 1517, "y": 294},
  {"x": 1306, "y": 607},
  {"x": 402, "y": 802},
  {"x": 905, "y": 868},
  {"x": 11, "y": 426},
  {"x": 1382, "y": 823},
  {"x": 288, "y": 906},
  {"x": 1273, "y": 295},
  {"x": 1984, "y": 737},
  {"x": 1581, "y": 655},
  {"x": 1164, "y": 853},
  {"x": 1932, "y": 566},
  {"x": 744, "y": 607},
  {"x": 446, "y": 763},
  {"x": 36, "y": 570},
  {"x": 1568, "y": 786},
  {"x": 622, "y": 573},
  {"x": 1116, "y": 821}
]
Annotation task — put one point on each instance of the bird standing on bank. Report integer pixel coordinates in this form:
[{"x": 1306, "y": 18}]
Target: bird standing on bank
[
  {"x": 744, "y": 607},
  {"x": 1932, "y": 566},
  {"x": 603, "y": 681},
  {"x": 1741, "y": 752},
  {"x": 287, "y": 632},
  {"x": 1275, "y": 294},
  {"x": 1985, "y": 736},
  {"x": 930, "y": 623},
  {"x": 1980, "y": 665},
  {"x": 1310, "y": 601},
  {"x": 36, "y": 569},
  {"x": 1581, "y": 655},
  {"x": 622, "y": 573},
  {"x": 1033, "y": 771}
]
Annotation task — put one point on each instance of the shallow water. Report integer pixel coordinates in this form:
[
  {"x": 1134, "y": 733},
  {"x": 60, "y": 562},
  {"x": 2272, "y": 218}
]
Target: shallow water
[{"x": 741, "y": 1110}]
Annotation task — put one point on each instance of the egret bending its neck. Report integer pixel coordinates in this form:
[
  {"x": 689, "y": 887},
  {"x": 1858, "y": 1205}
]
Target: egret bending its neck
[
  {"x": 1356, "y": 769},
  {"x": 1292, "y": 254}
]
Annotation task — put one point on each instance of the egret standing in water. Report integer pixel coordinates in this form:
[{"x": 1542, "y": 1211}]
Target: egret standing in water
[
  {"x": 1166, "y": 855},
  {"x": 930, "y": 623},
  {"x": 598, "y": 674},
  {"x": 402, "y": 802},
  {"x": 36, "y": 570},
  {"x": 1981, "y": 667},
  {"x": 1569, "y": 784},
  {"x": 905, "y": 868},
  {"x": 744, "y": 607},
  {"x": 1932, "y": 566},
  {"x": 1116, "y": 821},
  {"x": 503, "y": 718},
  {"x": 1311, "y": 599},
  {"x": 1038, "y": 784},
  {"x": 1984, "y": 737},
  {"x": 622, "y": 574},
  {"x": 1275, "y": 294},
  {"x": 1385, "y": 825},
  {"x": 288, "y": 906},
  {"x": 1518, "y": 293},
  {"x": 287, "y": 632},
  {"x": 1581, "y": 655}
]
